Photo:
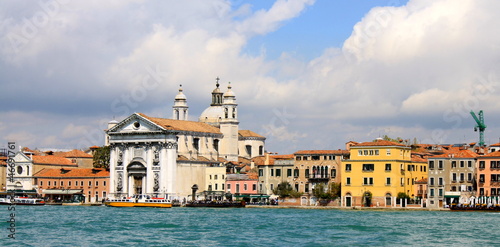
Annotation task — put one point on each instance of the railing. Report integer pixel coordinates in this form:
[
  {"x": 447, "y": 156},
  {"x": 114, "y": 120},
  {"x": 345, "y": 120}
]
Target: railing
[{"x": 319, "y": 176}]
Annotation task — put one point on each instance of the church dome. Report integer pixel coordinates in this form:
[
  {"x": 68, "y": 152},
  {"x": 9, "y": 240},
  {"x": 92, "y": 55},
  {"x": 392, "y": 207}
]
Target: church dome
[
  {"x": 212, "y": 115},
  {"x": 229, "y": 92}
]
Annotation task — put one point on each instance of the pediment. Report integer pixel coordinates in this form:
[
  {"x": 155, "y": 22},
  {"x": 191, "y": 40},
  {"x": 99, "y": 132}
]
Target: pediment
[
  {"x": 135, "y": 123},
  {"x": 21, "y": 158}
]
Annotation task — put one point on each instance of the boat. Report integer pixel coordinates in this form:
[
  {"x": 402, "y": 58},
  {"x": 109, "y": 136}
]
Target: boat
[
  {"x": 139, "y": 201},
  {"x": 216, "y": 204},
  {"x": 18, "y": 200}
]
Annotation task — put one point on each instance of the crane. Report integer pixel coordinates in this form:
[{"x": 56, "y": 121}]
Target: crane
[{"x": 480, "y": 125}]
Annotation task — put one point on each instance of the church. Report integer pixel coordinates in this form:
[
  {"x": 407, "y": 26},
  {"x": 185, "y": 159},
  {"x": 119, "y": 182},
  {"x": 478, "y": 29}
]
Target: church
[{"x": 166, "y": 157}]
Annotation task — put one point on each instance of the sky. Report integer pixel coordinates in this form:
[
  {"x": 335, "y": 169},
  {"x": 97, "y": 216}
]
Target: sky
[{"x": 307, "y": 74}]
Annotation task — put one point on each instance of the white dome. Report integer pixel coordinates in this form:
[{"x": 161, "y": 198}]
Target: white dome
[
  {"x": 180, "y": 95},
  {"x": 212, "y": 114}
]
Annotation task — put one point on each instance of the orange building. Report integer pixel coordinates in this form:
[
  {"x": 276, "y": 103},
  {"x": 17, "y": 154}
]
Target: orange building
[
  {"x": 488, "y": 174},
  {"x": 73, "y": 184}
]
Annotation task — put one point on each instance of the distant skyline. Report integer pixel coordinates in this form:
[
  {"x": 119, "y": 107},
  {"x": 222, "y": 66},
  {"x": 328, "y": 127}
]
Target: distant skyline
[{"x": 306, "y": 74}]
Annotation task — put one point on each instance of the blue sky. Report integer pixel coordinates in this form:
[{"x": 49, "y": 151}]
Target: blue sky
[
  {"x": 307, "y": 74},
  {"x": 322, "y": 25}
]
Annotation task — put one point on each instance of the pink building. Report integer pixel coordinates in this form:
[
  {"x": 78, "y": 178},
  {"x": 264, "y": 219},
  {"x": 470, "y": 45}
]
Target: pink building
[{"x": 241, "y": 186}]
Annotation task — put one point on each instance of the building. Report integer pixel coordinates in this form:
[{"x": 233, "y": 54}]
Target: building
[
  {"x": 451, "y": 176},
  {"x": 242, "y": 186},
  {"x": 166, "y": 157},
  {"x": 488, "y": 175},
  {"x": 72, "y": 184},
  {"x": 80, "y": 158},
  {"x": 275, "y": 169},
  {"x": 312, "y": 167},
  {"x": 377, "y": 172},
  {"x": 27, "y": 164}
]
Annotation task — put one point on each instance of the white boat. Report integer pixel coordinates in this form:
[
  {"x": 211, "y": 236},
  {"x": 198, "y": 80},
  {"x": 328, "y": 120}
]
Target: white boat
[{"x": 19, "y": 200}]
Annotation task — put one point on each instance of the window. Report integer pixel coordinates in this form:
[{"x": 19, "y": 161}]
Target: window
[
  {"x": 90, "y": 183},
  {"x": 462, "y": 177},
  {"x": 215, "y": 176},
  {"x": 347, "y": 167},
  {"x": 48, "y": 183},
  {"x": 431, "y": 181},
  {"x": 431, "y": 164},
  {"x": 81, "y": 183},
  {"x": 238, "y": 187},
  {"x": 104, "y": 194},
  {"x": 260, "y": 188},
  {"x": 69, "y": 183},
  {"x": 462, "y": 163},
  {"x": 196, "y": 143},
  {"x": 333, "y": 173},
  {"x": 368, "y": 167},
  {"x": 272, "y": 172},
  {"x": 388, "y": 167},
  {"x": 481, "y": 178},
  {"x": 261, "y": 150},
  {"x": 440, "y": 192},
  {"x": 216, "y": 186},
  {"x": 229, "y": 186},
  {"x": 440, "y": 164},
  {"x": 481, "y": 191},
  {"x": 222, "y": 185},
  {"x": 41, "y": 183},
  {"x": 254, "y": 187},
  {"x": 469, "y": 163},
  {"x": 453, "y": 164},
  {"x": 388, "y": 181},
  {"x": 388, "y": 152},
  {"x": 440, "y": 180},
  {"x": 96, "y": 183},
  {"x": 315, "y": 157},
  {"x": 431, "y": 192},
  {"x": 493, "y": 164},
  {"x": 365, "y": 152},
  {"x": 493, "y": 191},
  {"x": 104, "y": 183},
  {"x": 453, "y": 177},
  {"x": 453, "y": 188},
  {"x": 298, "y": 158},
  {"x": 348, "y": 181},
  {"x": 307, "y": 172},
  {"x": 296, "y": 173},
  {"x": 62, "y": 183},
  {"x": 481, "y": 164},
  {"x": 272, "y": 186},
  {"x": 469, "y": 177},
  {"x": 288, "y": 172},
  {"x": 360, "y": 152},
  {"x": 245, "y": 187},
  {"x": 306, "y": 188},
  {"x": 367, "y": 181},
  {"x": 216, "y": 145},
  {"x": 249, "y": 150},
  {"x": 278, "y": 172},
  {"x": 261, "y": 172},
  {"x": 376, "y": 152}
]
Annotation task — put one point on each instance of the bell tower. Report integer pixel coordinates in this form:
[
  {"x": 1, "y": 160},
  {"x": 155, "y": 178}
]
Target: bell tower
[{"x": 180, "y": 108}]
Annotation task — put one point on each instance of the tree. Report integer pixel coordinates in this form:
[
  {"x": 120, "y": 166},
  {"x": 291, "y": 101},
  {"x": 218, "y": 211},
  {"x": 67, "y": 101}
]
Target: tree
[
  {"x": 285, "y": 189},
  {"x": 327, "y": 192},
  {"x": 101, "y": 157}
]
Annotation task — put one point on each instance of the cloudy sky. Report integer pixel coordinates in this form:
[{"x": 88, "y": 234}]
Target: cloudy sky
[{"x": 307, "y": 74}]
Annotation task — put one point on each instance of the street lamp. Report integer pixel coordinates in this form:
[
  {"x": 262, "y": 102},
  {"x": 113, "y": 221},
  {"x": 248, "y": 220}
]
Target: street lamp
[{"x": 194, "y": 188}]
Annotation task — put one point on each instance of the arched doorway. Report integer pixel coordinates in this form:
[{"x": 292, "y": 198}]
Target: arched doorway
[
  {"x": 367, "y": 199},
  {"x": 388, "y": 200},
  {"x": 348, "y": 200},
  {"x": 138, "y": 171}
]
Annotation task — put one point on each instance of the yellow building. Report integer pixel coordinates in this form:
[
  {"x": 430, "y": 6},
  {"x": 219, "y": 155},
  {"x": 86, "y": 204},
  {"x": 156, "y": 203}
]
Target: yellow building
[{"x": 377, "y": 171}]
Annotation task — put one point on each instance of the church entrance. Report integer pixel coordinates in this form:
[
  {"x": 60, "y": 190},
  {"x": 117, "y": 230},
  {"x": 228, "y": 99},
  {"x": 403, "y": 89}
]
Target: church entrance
[{"x": 137, "y": 171}]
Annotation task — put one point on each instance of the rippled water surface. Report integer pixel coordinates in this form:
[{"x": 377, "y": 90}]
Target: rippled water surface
[{"x": 103, "y": 226}]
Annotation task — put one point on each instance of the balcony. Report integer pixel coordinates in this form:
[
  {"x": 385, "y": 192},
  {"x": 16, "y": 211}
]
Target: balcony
[{"x": 318, "y": 177}]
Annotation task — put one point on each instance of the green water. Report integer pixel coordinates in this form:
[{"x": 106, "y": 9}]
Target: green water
[{"x": 103, "y": 226}]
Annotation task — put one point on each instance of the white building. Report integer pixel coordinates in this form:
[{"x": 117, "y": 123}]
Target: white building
[{"x": 166, "y": 157}]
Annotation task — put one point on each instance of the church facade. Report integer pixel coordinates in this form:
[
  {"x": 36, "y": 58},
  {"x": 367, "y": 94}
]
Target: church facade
[{"x": 166, "y": 157}]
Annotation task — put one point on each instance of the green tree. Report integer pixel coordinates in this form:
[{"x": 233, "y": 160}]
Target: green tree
[
  {"x": 285, "y": 189},
  {"x": 327, "y": 192},
  {"x": 101, "y": 157}
]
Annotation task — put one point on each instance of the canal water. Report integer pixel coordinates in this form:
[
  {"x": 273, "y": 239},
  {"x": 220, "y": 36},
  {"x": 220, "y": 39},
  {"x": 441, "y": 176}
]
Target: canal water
[{"x": 104, "y": 226}]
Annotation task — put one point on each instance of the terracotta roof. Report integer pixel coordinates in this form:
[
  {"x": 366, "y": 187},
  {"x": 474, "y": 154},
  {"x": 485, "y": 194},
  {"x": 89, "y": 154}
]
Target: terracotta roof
[
  {"x": 182, "y": 157},
  {"x": 421, "y": 181},
  {"x": 253, "y": 175},
  {"x": 418, "y": 158},
  {"x": 75, "y": 153},
  {"x": 249, "y": 133},
  {"x": 182, "y": 125},
  {"x": 244, "y": 160},
  {"x": 378, "y": 143},
  {"x": 259, "y": 160},
  {"x": 494, "y": 145},
  {"x": 3, "y": 163},
  {"x": 94, "y": 147},
  {"x": 494, "y": 154},
  {"x": 457, "y": 153},
  {"x": 342, "y": 152},
  {"x": 282, "y": 156},
  {"x": 72, "y": 172},
  {"x": 52, "y": 160}
]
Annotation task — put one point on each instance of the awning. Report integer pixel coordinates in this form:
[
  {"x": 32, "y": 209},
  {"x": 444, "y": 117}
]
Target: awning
[
  {"x": 451, "y": 196},
  {"x": 259, "y": 196},
  {"x": 61, "y": 192}
]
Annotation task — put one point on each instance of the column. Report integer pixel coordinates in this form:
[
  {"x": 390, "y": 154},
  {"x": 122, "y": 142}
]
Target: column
[
  {"x": 149, "y": 170},
  {"x": 112, "y": 176},
  {"x": 130, "y": 180}
]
